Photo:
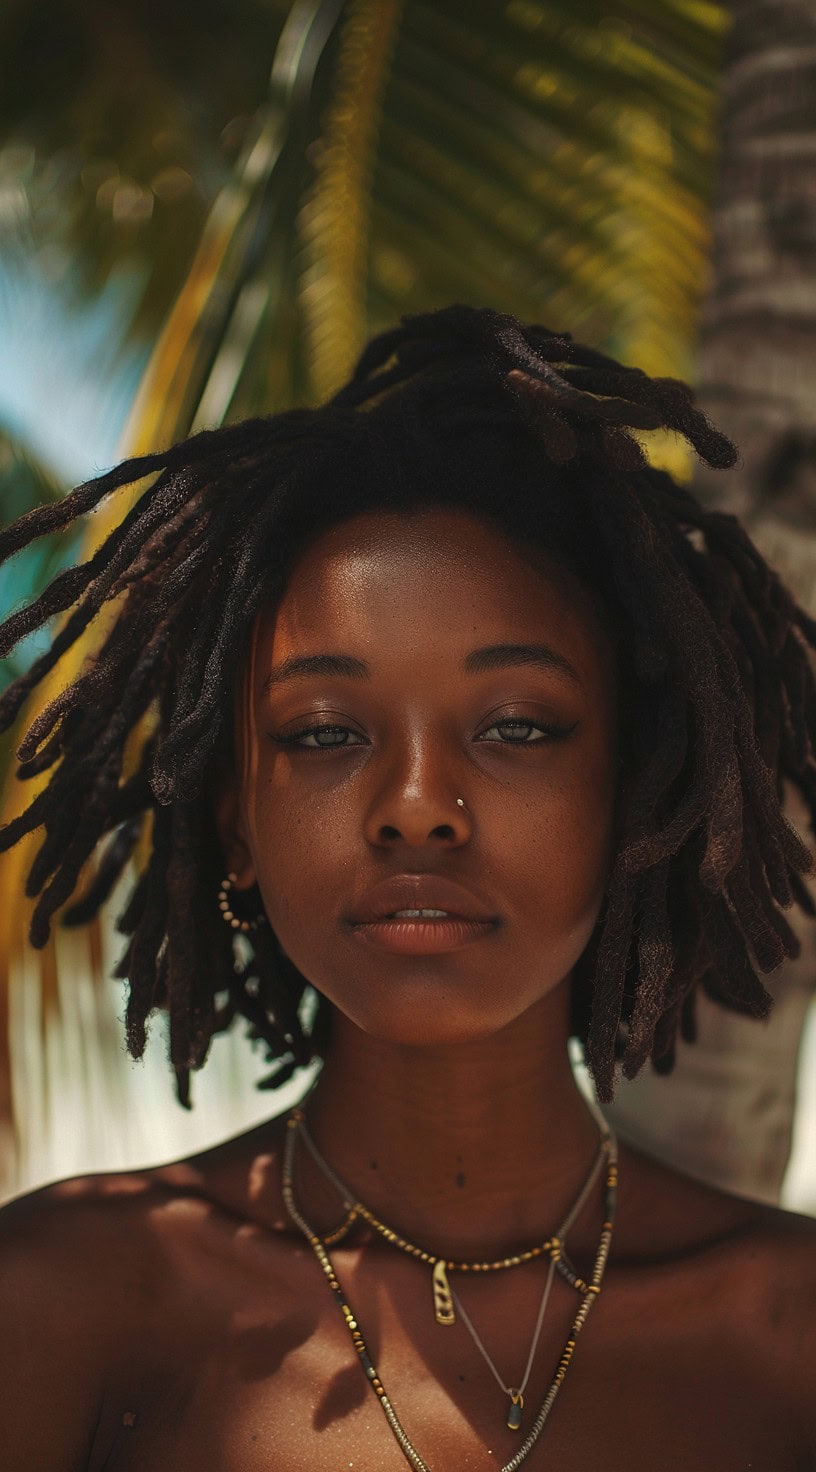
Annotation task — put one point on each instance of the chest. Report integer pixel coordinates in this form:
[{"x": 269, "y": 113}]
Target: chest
[{"x": 255, "y": 1372}]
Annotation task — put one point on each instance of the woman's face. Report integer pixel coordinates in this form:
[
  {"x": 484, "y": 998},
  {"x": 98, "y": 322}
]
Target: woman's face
[{"x": 527, "y": 737}]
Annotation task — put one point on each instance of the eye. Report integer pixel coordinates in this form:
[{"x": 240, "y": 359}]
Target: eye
[
  {"x": 523, "y": 728},
  {"x": 335, "y": 737}
]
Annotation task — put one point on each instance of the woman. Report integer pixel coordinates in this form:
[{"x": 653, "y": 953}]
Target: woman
[{"x": 466, "y": 733}]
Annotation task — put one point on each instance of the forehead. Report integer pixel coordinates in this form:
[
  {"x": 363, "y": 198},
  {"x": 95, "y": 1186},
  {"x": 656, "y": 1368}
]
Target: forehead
[{"x": 382, "y": 583}]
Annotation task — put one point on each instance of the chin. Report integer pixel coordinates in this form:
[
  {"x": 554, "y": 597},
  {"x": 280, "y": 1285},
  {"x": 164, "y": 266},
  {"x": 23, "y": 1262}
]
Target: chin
[{"x": 431, "y": 1016}]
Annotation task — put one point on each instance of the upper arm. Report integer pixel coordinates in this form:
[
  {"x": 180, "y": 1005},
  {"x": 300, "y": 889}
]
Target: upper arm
[
  {"x": 51, "y": 1334},
  {"x": 802, "y": 1340},
  {"x": 786, "y": 1331}
]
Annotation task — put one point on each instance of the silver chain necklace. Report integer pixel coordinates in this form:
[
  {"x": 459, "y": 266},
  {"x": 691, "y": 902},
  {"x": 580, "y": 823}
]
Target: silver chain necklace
[
  {"x": 296, "y": 1125},
  {"x": 517, "y": 1396}
]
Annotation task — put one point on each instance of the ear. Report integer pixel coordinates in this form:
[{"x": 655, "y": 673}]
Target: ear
[{"x": 230, "y": 823}]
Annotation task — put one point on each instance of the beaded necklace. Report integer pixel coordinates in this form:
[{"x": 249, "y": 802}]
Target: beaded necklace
[
  {"x": 592, "y": 1290},
  {"x": 554, "y": 1247}
]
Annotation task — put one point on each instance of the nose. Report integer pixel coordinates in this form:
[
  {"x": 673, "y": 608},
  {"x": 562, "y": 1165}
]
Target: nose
[{"x": 418, "y": 807}]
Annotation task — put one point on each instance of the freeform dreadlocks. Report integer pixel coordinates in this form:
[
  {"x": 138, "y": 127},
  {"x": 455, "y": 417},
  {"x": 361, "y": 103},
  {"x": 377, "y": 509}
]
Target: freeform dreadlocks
[{"x": 469, "y": 407}]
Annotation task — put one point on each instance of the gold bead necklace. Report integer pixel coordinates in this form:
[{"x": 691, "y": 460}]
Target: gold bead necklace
[
  {"x": 295, "y": 1124},
  {"x": 554, "y": 1247}
]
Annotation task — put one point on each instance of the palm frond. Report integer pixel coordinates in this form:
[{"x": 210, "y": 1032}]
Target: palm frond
[{"x": 334, "y": 220}]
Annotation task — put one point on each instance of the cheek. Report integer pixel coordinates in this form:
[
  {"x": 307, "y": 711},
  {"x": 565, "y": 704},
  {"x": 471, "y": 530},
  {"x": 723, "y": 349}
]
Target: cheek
[
  {"x": 302, "y": 859},
  {"x": 559, "y": 895},
  {"x": 569, "y": 829}
]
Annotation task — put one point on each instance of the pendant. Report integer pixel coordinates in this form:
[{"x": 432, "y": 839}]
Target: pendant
[
  {"x": 514, "y": 1410},
  {"x": 443, "y": 1301}
]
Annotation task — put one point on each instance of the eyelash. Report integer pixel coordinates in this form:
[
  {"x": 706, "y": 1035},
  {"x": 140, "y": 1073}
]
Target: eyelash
[{"x": 551, "y": 733}]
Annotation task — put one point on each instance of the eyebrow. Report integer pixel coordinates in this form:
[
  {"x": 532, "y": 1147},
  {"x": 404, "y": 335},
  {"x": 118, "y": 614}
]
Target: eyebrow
[{"x": 479, "y": 661}]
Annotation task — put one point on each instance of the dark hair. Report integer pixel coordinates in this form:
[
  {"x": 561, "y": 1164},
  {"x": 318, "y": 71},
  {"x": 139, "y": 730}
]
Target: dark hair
[{"x": 467, "y": 407}]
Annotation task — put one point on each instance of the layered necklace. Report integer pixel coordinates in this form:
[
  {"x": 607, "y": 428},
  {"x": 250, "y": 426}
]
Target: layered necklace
[{"x": 446, "y": 1302}]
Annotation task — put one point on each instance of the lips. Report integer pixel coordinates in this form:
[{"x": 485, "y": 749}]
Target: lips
[{"x": 419, "y": 892}]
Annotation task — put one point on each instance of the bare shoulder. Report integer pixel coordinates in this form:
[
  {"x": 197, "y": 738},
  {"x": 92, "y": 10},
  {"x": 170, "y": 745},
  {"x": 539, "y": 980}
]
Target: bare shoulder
[
  {"x": 74, "y": 1259},
  {"x": 756, "y": 1263},
  {"x": 100, "y": 1274},
  {"x": 239, "y": 1177},
  {"x": 58, "y": 1227},
  {"x": 775, "y": 1267},
  {"x": 89, "y": 1268},
  {"x": 780, "y": 1254},
  {"x": 51, "y": 1236}
]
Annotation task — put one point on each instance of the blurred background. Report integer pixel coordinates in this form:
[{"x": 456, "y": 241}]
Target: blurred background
[{"x": 205, "y": 220}]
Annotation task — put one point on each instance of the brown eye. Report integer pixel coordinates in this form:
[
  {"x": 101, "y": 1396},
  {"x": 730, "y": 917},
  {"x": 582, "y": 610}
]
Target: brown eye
[
  {"x": 336, "y": 737},
  {"x": 521, "y": 732}
]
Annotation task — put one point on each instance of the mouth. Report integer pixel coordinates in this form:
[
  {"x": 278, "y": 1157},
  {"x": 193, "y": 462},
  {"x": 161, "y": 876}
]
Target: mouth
[
  {"x": 419, "y": 913},
  {"x": 422, "y": 932}
]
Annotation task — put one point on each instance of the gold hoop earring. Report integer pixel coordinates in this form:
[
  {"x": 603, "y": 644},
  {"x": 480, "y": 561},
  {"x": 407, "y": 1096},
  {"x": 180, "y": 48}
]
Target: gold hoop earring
[{"x": 233, "y": 920}]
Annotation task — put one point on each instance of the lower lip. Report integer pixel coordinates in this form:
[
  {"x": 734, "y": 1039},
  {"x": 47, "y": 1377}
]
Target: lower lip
[{"x": 422, "y": 937}]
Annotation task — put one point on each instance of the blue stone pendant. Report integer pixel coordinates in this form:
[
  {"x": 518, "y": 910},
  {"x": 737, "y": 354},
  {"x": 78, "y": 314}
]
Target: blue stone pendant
[{"x": 515, "y": 1409}]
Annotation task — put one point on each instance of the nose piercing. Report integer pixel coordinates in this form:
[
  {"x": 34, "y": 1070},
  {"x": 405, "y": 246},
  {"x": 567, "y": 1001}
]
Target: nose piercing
[{"x": 461, "y": 801}]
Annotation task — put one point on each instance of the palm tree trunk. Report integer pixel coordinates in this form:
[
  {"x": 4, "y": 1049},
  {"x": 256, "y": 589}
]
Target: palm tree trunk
[
  {"x": 757, "y": 363},
  {"x": 727, "y": 1112}
]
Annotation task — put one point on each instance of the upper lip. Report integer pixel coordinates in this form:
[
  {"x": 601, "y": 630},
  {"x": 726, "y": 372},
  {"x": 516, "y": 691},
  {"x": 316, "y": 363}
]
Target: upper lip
[{"x": 418, "y": 892}]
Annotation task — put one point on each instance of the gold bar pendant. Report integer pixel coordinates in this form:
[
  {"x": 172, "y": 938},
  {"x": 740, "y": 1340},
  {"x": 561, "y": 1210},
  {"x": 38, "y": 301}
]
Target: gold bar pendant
[{"x": 443, "y": 1301}]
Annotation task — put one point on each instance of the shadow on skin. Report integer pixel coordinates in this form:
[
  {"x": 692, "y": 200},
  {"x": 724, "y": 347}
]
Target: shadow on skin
[
  {"x": 260, "y": 1350},
  {"x": 346, "y": 1392}
]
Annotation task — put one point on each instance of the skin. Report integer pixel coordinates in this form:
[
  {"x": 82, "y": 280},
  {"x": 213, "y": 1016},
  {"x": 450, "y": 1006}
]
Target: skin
[{"x": 195, "y": 1329}]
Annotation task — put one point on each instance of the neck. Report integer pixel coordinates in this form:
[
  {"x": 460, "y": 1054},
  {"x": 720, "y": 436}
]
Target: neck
[{"x": 467, "y": 1149}]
